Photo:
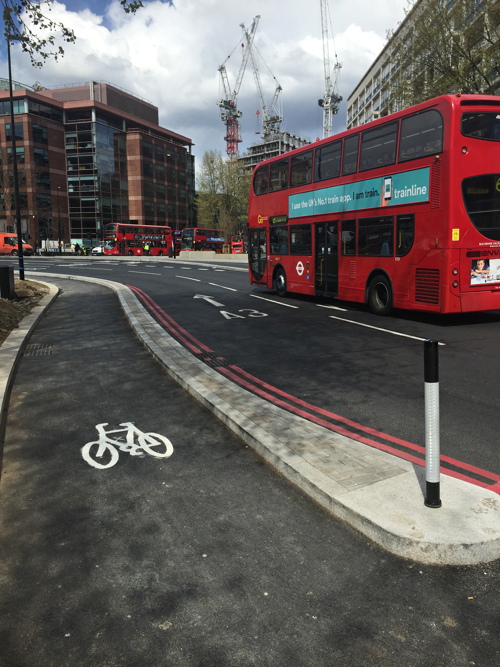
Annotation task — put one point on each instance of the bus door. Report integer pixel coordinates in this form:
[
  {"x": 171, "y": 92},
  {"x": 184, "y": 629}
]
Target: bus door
[
  {"x": 327, "y": 261},
  {"x": 257, "y": 256},
  {"x": 122, "y": 246}
]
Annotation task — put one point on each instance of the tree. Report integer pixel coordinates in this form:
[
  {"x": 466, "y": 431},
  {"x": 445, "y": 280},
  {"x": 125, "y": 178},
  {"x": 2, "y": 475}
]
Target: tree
[
  {"x": 28, "y": 23},
  {"x": 448, "y": 47},
  {"x": 223, "y": 188}
]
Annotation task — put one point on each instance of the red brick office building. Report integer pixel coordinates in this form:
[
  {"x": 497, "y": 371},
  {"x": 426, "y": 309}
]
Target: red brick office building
[{"x": 88, "y": 155}]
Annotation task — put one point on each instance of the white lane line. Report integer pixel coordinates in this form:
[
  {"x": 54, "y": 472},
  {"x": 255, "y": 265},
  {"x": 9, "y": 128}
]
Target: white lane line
[
  {"x": 196, "y": 280},
  {"x": 223, "y": 287},
  {"x": 148, "y": 273},
  {"x": 369, "y": 326},
  {"x": 320, "y": 305},
  {"x": 288, "y": 305}
]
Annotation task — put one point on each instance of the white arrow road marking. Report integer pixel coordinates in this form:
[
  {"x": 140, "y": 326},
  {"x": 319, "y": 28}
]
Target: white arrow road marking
[{"x": 209, "y": 299}]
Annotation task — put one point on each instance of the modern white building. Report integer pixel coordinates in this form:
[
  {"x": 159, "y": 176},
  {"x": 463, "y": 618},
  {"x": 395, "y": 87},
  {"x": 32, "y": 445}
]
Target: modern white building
[{"x": 404, "y": 74}]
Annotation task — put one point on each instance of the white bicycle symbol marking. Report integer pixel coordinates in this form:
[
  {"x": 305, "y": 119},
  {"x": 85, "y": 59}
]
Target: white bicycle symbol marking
[{"x": 149, "y": 443}]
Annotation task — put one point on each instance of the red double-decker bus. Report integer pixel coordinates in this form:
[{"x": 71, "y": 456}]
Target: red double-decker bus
[
  {"x": 198, "y": 238},
  {"x": 126, "y": 239},
  {"x": 237, "y": 244},
  {"x": 402, "y": 212}
]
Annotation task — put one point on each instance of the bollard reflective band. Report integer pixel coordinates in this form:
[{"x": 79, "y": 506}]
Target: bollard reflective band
[{"x": 432, "y": 432}]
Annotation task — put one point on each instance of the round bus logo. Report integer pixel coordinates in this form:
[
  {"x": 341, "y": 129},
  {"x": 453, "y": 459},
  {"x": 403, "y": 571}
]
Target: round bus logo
[{"x": 300, "y": 268}]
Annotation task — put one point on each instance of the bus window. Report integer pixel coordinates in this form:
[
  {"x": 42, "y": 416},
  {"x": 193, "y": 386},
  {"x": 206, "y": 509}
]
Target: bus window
[
  {"x": 376, "y": 236},
  {"x": 301, "y": 169},
  {"x": 327, "y": 161},
  {"x": 348, "y": 237},
  {"x": 405, "y": 234},
  {"x": 350, "y": 163},
  {"x": 278, "y": 239},
  {"x": 279, "y": 176},
  {"x": 481, "y": 126},
  {"x": 482, "y": 201},
  {"x": 421, "y": 135},
  {"x": 378, "y": 147},
  {"x": 261, "y": 181},
  {"x": 300, "y": 240}
]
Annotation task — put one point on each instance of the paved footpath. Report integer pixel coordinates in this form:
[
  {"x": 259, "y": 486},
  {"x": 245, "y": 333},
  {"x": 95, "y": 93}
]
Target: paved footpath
[
  {"x": 376, "y": 493},
  {"x": 206, "y": 557}
]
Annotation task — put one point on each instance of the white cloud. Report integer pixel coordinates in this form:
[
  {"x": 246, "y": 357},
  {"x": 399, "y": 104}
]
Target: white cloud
[{"x": 170, "y": 54}]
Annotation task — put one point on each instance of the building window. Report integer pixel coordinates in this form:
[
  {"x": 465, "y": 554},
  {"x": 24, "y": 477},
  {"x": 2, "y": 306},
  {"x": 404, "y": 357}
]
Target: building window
[
  {"x": 147, "y": 169},
  {"x": 18, "y": 128},
  {"x": 43, "y": 179},
  {"x": 149, "y": 189},
  {"x": 41, "y": 156},
  {"x": 19, "y": 154},
  {"x": 40, "y": 134},
  {"x": 147, "y": 148},
  {"x": 43, "y": 202}
]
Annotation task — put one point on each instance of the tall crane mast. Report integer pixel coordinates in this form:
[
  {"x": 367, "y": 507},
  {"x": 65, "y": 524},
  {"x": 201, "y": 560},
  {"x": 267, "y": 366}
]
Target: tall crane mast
[
  {"x": 273, "y": 115},
  {"x": 229, "y": 111},
  {"x": 331, "y": 99}
]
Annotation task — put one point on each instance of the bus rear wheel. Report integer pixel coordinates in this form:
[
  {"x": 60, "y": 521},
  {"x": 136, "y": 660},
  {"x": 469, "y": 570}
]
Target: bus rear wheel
[
  {"x": 380, "y": 295},
  {"x": 130, "y": 252},
  {"x": 280, "y": 282}
]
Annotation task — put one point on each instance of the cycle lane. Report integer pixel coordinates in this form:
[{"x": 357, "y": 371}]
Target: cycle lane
[{"x": 146, "y": 558}]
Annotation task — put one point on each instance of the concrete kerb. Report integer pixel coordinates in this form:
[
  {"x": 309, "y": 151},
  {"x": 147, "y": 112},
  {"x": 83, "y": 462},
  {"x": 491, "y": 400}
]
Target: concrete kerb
[
  {"x": 390, "y": 511},
  {"x": 12, "y": 348}
]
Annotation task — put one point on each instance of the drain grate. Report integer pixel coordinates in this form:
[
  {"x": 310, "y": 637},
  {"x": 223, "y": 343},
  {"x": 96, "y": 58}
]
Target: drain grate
[{"x": 37, "y": 350}]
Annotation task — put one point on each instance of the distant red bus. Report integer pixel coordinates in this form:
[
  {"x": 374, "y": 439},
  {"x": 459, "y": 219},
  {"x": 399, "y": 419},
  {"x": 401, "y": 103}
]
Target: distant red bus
[
  {"x": 125, "y": 239},
  {"x": 177, "y": 241},
  {"x": 237, "y": 244},
  {"x": 402, "y": 212},
  {"x": 198, "y": 238}
]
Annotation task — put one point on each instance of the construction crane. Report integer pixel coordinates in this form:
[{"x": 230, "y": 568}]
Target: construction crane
[
  {"x": 273, "y": 115},
  {"x": 229, "y": 111},
  {"x": 331, "y": 99}
]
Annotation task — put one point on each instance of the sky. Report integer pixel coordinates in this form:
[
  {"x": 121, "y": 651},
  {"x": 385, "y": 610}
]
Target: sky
[{"x": 169, "y": 53}]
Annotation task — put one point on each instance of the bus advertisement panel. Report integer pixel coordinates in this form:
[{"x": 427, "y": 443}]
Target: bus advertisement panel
[
  {"x": 403, "y": 212},
  {"x": 198, "y": 238},
  {"x": 128, "y": 239}
]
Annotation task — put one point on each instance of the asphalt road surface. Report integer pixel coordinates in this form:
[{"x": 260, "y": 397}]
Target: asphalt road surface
[
  {"x": 203, "y": 558},
  {"x": 335, "y": 356}
]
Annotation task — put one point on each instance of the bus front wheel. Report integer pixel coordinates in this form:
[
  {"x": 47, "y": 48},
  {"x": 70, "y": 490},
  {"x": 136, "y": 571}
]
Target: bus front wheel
[
  {"x": 280, "y": 282},
  {"x": 380, "y": 295}
]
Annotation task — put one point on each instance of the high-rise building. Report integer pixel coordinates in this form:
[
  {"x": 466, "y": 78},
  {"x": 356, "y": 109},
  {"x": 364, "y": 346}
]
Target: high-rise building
[
  {"x": 88, "y": 155},
  {"x": 440, "y": 47}
]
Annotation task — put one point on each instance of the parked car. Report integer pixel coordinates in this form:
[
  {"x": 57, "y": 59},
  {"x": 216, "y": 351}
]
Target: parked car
[{"x": 98, "y": 250}]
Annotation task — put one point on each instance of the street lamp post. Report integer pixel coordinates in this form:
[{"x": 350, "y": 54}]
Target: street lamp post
[
  {"x": 14, "y": 167},
  {"x": 59, "y": 217}
]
